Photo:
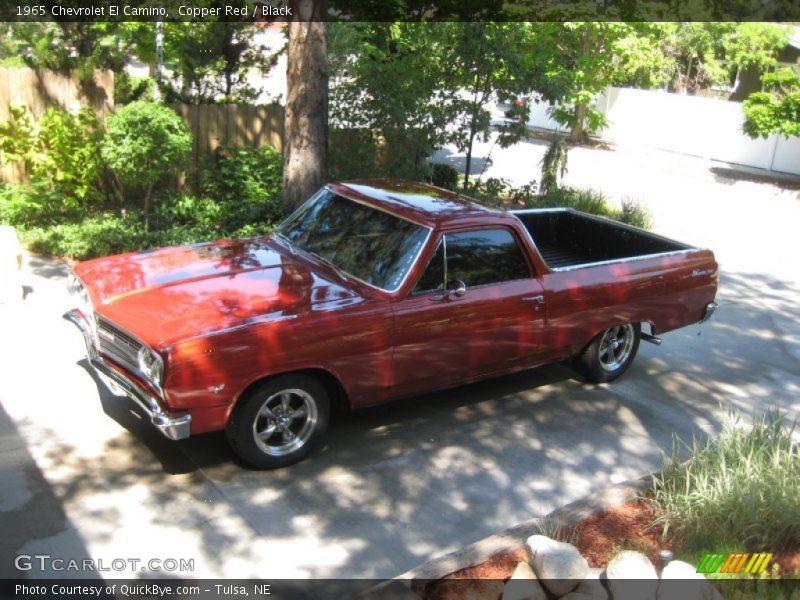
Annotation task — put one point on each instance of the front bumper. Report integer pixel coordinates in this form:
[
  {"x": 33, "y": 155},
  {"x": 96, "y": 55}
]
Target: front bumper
[{"x": 174, "y": 428}]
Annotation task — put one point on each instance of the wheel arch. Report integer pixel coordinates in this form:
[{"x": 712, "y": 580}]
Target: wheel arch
[
  {"x": 336, "y": 391},
  {"x": 600, "y": 328}
]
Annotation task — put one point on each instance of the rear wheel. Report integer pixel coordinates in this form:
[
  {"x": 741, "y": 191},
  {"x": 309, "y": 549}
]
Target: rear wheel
[
  {"x": 610, "y": 353},
  {"x": 280, "y": 421}
]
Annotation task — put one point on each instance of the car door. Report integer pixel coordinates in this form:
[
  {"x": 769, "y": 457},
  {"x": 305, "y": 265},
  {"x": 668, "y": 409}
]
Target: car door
[{"x": 487, "y": 318}]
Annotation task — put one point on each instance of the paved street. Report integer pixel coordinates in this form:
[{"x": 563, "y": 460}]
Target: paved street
[{"x": 82, "y": 475}]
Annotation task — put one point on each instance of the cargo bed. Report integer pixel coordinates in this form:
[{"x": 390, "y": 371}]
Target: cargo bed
[{"x": 568, "y": 239}]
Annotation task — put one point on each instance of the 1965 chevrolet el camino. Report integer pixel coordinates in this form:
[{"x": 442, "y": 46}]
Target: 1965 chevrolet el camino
[{"x": 369, "y": 292}]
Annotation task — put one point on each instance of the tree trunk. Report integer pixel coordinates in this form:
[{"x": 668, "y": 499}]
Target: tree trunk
[
  {"x": 578, "y": 134},
  {"x": 305, "y": 151},
  {"x": 474, "y": 116}
]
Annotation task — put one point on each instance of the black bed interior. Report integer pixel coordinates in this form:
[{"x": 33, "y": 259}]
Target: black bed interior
[{"x": 566, "y": 238}]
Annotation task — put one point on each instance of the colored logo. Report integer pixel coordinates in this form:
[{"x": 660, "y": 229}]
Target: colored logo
[{"x": 735, "y": 563}]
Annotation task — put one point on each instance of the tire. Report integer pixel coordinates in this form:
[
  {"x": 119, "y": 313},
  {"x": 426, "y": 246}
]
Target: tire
[
  {"x": 280, "y": 421},
  {"x": 610, "y": 353}
]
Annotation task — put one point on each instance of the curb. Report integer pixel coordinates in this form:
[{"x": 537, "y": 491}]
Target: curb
[{"x": 509, "y": 539}]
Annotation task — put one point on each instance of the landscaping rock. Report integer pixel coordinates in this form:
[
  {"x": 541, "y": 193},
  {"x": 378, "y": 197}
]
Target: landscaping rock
[
  {"x": 631, "y": 576},
  {"x": 592, "y": 585},
  {"x": 558, "y": 565},
  {"x": 523, "y": 585},
  {"x": 681, "y": 581}
]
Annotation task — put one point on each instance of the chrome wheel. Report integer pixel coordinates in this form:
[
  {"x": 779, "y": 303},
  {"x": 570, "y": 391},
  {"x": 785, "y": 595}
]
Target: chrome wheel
[
  {"x": 285, "y": 421},
  {"x": 615, "y": 347}
]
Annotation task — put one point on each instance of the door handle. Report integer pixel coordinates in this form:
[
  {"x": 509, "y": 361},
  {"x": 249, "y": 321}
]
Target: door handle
[{"x": 539, "y": 298}]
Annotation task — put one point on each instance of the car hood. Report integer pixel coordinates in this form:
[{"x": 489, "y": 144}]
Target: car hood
[{"x": 169, "y": 294}]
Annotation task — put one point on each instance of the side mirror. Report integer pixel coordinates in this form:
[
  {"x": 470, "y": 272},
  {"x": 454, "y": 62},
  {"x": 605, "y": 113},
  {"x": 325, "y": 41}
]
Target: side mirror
[{"x": 457, "y": 287}]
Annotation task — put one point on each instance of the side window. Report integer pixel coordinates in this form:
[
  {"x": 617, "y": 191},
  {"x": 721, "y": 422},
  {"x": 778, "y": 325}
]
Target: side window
[
  {"x": 483, "y": 257},
  {"x": 433, "y": 277}
]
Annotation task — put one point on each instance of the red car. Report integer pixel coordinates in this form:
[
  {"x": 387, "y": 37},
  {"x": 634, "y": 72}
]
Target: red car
[{"x": 369, "y": 292}]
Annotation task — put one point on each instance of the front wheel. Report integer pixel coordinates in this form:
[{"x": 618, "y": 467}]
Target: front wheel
[
  {"x": 610, "y": 353},
  {"x": 280, "y": 421}
]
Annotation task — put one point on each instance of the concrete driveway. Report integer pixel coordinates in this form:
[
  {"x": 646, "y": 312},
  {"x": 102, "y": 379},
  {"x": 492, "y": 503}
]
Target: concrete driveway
[{"x": 82, "y": 475}]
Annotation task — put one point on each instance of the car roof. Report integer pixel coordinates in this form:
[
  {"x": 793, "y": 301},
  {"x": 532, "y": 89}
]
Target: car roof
[{"x": 424, "y": 204}]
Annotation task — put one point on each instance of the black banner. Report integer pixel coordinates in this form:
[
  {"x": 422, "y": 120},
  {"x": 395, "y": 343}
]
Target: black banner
[
  {"x": 361, "y": 589},
  {"x": 401, "y": 10}
]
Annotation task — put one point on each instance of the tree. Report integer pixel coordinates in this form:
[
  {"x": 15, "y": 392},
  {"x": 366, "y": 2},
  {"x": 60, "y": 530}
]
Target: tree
[
  {"x": 776, "y": 110},
  {"x": 305, "y": 152},
  {"x": 145, "y": 144},
  {"x": 481, "y": 61},
  {"x": 588, "y": 56},
  {"x": 384, "y": 79},
  {"x": 708, "y": 54},
  {"x": 431, "y": 82},
  {"x": 206, "y": 61}
]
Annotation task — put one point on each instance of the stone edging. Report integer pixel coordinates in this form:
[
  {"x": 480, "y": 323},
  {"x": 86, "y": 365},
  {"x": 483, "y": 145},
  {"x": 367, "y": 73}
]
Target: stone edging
[{"x": 514, "y": 537}]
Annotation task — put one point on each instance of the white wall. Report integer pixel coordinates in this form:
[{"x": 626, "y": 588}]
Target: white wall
[{"x": 693, "y": 125}]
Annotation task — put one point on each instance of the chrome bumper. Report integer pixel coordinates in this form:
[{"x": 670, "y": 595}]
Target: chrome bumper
[
  {"x": 174, "y": 428},
  {"x": 708, "y": 311}
]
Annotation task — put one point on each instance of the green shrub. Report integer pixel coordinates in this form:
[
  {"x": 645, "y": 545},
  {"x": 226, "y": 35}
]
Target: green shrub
[
  {"x": 128, "y": 88},
  {"x": 98, "y": 235},
  {"x": 635, "y": 214},
  {"x": 60, "y": 153},
  {"x": 554, "y": 165},
  {"x": 491, "y": 192},
  {"x": 245, "y": 183},
  {"x": 585, "y": 200},
  {"x": 742, "y": 488},
  {"x": 361, "y": 153},
  {"x": 146, "y": 144},
  {"x": 444, "y": 176}
]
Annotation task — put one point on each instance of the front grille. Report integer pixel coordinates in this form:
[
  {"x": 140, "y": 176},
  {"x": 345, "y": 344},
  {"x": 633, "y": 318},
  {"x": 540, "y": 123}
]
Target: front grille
[{"x": 118, "y": 345}]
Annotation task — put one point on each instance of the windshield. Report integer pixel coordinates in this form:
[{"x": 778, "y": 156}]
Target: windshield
[{"x": 367, "y": 243}]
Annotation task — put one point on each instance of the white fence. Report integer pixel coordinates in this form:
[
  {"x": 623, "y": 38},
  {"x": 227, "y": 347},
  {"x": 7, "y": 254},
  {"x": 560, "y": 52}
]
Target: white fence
[{"x": 693, "y": 125}]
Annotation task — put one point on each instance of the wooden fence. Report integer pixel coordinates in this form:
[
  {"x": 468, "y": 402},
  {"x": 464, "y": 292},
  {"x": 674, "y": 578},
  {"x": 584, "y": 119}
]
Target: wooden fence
[
  {"x": 214, "y": 125},
  {"x": 39, "y": 90},
  {"x": 211, "y": 125}
]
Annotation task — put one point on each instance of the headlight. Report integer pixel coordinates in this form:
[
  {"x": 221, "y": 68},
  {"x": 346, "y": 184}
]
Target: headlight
[{"x": 151, "y": 365}]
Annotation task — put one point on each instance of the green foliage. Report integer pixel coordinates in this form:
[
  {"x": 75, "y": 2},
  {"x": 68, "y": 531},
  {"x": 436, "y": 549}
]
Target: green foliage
[
  {"x": 633, "y": 213},
  {"x": 585, "y": 200},
  {"x": 554, "y": 165},
  {"x": 146, "y": 143},
  {"x": 240, "y": 196},
  {"x": 128, "y": 89},
  {"x": 741, "y": 488},
  {"x": 444, "y": 176},
  {"x": 586, "y": 57},
  {"x": 393, "y": 153},
  {"x": 207, "y": 61},
  {"x": 709, "y": 53},
  {"x": 427, "y": 82},
  {"x": 244, "y": 184},
  {"x": 97, "y": 235},
  {"x": 491, "y": 192},
  {"x": 80, "y": 47},
  {"x": 776, "y": 110},
  {"x": 21, "y": 206},
  {"x": 60, "y": 153}
]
